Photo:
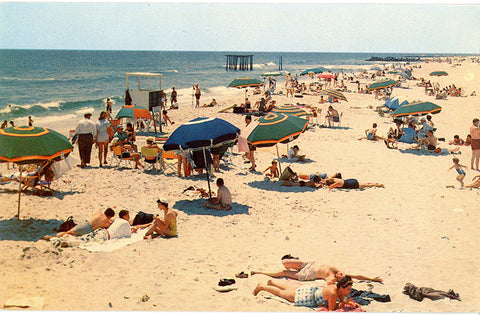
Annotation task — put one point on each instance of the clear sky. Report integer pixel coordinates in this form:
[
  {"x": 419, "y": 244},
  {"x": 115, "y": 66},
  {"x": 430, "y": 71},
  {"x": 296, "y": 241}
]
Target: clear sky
[{"x": 315, "y": 27}]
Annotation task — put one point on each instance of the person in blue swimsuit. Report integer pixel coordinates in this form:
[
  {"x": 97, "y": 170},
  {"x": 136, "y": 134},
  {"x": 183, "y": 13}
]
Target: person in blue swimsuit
[
  {"x": 349, "y": 184},
  {"x": 371, "y": 134},
  {"x": 460, "y": 170},
  {"x": 332, "y": 296}
]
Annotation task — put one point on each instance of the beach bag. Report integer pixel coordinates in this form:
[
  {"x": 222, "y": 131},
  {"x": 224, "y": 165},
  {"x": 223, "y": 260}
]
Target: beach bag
[
  {"x": 67, "y": 225},
  {"x": 142, "y": 218}
]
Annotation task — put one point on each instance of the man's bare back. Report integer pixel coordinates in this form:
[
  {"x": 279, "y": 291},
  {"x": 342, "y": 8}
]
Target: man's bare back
[{"x": 99, "y": 220}]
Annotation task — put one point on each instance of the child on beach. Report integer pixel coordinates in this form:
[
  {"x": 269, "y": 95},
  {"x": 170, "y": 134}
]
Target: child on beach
[
  {"x": 273, "y": 170},
  {"x": 460, "y": 171}
]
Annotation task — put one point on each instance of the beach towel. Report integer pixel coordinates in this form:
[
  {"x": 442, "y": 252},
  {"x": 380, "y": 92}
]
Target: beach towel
[
  {"x": 419, "y": 293},
  {"x": 366, "y": 297}
]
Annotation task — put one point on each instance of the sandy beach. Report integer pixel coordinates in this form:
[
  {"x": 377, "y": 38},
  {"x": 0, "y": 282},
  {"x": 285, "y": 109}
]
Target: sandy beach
[{"x": 414, "y": 230}]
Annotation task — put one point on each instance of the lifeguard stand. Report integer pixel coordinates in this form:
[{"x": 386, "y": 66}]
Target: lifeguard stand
[{"x": 147, "y": 96}]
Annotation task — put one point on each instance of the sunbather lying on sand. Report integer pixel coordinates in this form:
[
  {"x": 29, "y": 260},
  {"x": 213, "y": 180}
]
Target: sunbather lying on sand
[
  {"x": 315, "y": 182},
  {"x": 475, "y": 182},
  {"x": 349, "y": 184},
  {"x": 331, "y": 296},
  {"x": 307, "y": 271},
  {"x": 98, "y": 220}
]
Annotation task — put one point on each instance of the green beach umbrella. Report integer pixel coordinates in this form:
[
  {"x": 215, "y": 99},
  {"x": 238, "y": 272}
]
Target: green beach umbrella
[
  {"x": 438, "y": 73},
  {"x": 133, "y": 111},
  {"x": 245, "y": 82},
  {"x": 28, "y": 145},
  {"x": 417, "y": 108},
  {"x": 383, "y": 84},
  {"x": 335, "y": 94},
  {"x": 313, "y": 70},
  {"x": 275, "y": 128},
  {"x": 291, "y": 110},
  {"x": 271, "y": 74}
]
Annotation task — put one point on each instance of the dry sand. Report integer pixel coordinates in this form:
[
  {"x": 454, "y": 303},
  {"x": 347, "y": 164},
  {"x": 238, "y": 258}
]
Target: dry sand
[{"x": 415, "y": 230}]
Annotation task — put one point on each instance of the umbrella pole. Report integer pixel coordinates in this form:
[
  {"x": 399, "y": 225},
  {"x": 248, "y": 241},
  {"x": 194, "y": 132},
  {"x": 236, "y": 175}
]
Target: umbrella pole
[
  {"x": 278, "y": 156},
  {"x": 206, "y": 168},
  {"x": 19, "y": 191}
]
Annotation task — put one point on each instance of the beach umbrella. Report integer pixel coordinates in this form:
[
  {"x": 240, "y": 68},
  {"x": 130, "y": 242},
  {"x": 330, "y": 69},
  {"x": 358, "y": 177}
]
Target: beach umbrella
[
  {"x": 383, "y": 84},
  {"x": 31, "y": 145},
  {"x": 393, "y": 72},
  {"x": 395, "y": 102},
  {"x": 405, "y": 75},
  {"x": 335, "y": 94},
  {"x": 291, "y": 110},
  {"x": 200, "y": 134},
  {"x": 417, "y": 108},
  {"x": 133, "y": 111},
  {"x": 438, "y": 73},
  {"x": 376, "y": 68},
  {"x": 326, "y": 76},
  {"x": 313, "y": 70},
  {"x": 271, "y": 74},
  {"x": 275, "y": 128},
  {"x": 245, "y": 83}
]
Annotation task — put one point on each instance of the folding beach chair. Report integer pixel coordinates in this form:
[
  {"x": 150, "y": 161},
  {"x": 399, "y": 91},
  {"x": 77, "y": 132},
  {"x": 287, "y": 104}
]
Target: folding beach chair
[
  {"x": 33, "y": 180},
  {"x": 339, "y": 122},
  {"x": 152, "y": 157},
  {"x": 119, "y": 157},
  {"x": 169, "y": 160}
]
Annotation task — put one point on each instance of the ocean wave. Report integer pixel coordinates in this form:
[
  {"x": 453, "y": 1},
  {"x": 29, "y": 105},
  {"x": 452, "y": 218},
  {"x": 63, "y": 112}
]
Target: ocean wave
[
  {"x": 174, "y": 70},
  {"x": 27, "y": 79}
]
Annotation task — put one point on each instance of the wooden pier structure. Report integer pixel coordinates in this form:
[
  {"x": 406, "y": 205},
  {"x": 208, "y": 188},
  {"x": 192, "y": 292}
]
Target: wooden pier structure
[{"x": 239, "y": 62}]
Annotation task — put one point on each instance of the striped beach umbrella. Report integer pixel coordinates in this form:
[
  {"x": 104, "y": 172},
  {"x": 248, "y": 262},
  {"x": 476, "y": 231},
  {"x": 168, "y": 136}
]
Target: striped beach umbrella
[
  {"x": 133, "y": 111},
  {"x": 383, "y": 84},
  {"x": 245, "y": 82},
  {"x": 438, "y": 73},
  {"x": 335, "y": 94},
  {"x": 416, "y": 108},
  {"x": 276, "y": 128},
  {"x": 291, "y": 110},
  {"x": 29, "y": 145}
]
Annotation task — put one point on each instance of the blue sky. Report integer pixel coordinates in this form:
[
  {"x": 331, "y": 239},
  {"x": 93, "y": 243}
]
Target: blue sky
[{"x": 316, "y": 27}]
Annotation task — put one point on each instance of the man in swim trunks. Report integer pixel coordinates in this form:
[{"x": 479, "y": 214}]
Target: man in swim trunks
[
  {"x": 307, "y": 271},
  {"x": 475, "y": 135},
  {"x": 98, "y": 220},
  {"x": 349, "y": 184}
]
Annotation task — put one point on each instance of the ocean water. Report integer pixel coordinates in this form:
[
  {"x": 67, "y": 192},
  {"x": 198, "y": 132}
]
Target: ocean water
[{"x": 63, "y": 83}]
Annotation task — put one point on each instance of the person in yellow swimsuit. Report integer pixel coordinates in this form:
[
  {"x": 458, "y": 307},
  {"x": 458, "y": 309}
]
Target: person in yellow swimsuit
[{"x": 166, "y": 226}]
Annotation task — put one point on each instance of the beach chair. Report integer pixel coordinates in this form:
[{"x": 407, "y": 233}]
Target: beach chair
[
  {"x": 150, "y": 156},
  {"x": 169, "y": 160},
  {"x": 339, "y": 122},
  {"x": 33, "y": 180},
  {"x": 119, "y": 157}
]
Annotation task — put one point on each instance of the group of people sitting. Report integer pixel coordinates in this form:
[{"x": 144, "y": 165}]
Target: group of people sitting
[{"x": 123, "y": 226}]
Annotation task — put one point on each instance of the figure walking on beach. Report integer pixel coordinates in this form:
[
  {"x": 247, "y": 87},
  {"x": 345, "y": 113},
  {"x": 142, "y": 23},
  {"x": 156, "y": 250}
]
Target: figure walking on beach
[
  {"x": 109, "y": 108},
  {"x": 102, "y": 138},
  {"x": 30, "y": 121},
  {"x": 173, "y": 97},
  {"x": 475, "y": 135},
  {"x": 198, "y": 93},
  {"x": 86, "y": 132}
]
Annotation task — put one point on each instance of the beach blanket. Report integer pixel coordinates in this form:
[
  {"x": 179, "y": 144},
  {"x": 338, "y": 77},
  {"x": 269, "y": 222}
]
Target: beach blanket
[{"x": 97, "y": 241}]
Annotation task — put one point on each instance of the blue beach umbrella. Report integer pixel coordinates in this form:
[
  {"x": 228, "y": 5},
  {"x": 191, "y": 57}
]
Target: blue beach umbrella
[
  {"x": 395, "y": 102},
  {"x": 200, "y": 134},
  {"x": 313, "y": 70}
]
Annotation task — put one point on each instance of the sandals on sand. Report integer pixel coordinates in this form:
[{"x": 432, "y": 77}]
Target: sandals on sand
[
  {"x": 288, "y": 256},
  {"x": 225, "y": 282},
  {"x": 241, "y": 275}
]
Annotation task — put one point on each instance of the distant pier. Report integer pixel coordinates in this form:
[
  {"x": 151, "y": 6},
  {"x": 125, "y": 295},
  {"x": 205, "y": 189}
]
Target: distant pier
[{"x": 239, "y": 62}]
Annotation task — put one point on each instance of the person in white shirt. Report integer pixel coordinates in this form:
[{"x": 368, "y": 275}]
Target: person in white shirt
[
  {"x": 293, "y": 154},
  {"x": 121, "y": 227},
  {"x": 86, "y": 132},
  {"x": 223, "y": 200}
]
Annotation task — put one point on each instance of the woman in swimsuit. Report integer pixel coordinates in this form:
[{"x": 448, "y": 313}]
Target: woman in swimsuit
[
  {"x": 333, "y": 296},
  {"x": 349, "y": 184},
  {"x": 460, "y": 170},
  {"x": 166, "y": 226}
]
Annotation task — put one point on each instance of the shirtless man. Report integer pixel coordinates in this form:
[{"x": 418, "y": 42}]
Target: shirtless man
[
  {"x": 430, "y": 142},
  {"x": 307, "y": 271},
  {"x": 475, "y": 135},
  {"x": 98, "y": 220},
  {"x": 350, "y": 183}
]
